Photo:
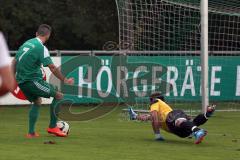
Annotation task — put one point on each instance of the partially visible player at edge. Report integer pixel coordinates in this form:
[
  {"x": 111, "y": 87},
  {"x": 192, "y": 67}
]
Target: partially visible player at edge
[
  {"x": 27, "y": 63},
  {"x": 173, "y": 121},
  {"x": 6, "y": 73}
]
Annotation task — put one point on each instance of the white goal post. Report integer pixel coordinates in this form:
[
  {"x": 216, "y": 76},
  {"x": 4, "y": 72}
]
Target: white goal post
[{"x": 204, "y": 54}]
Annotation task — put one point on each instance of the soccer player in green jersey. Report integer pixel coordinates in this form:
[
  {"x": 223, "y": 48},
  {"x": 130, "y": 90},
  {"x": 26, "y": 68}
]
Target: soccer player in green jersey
[{"x": 27, "y": 63}]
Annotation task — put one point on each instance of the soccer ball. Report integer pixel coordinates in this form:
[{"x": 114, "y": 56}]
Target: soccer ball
[{"x": 63, "y": 126}]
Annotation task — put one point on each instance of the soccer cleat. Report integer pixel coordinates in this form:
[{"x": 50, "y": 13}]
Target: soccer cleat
[
  {"x": 210, "y": 110},
  {"x": 32, "y": 135},
  {"x": 132, "y": 114},
  {"x": 160, "y": 139},
  {"x": 57, "y": 132},
  {"x": 199, "y": 135}
]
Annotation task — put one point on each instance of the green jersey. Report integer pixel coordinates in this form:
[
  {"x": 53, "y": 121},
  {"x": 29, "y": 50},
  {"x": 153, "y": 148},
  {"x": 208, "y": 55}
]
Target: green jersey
[{"x": 30, "y": 57}]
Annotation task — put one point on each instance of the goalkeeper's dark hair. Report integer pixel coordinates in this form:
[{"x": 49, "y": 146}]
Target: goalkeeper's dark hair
[
  {"x": 153, "y": 98},
  {"x": 44, "y": 30}
]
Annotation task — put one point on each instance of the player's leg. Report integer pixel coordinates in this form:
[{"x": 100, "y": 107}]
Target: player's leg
[
  {"x": 198, "y": 133},
  {"x": 29, "y": 90},
  {"x": 54, "y": 109},
  {"x": 203, "y": 118},
  {"x": 180, "y": 125},
  {"x": 43, "y": 89},
  {"x": 47, "y": 90},
  {"x": 200, "y": 119},
  {"x": 174, "y": 120},
  {"x": 33, "y": 116}
]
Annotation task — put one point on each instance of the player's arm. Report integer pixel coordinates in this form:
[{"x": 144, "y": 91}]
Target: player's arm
[
  {"x": 7, "y": 80},
  {"x": 6, "y": 74},
  {"x": 47, "y": 62},
  {"x": 156, "y": 125},
  {"x": 155, "y": 122},
  {"x": 59, "y": 74}
]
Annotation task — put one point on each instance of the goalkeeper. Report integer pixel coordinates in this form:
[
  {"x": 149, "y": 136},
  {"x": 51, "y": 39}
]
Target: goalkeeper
[{"x": 173, "y": 121}]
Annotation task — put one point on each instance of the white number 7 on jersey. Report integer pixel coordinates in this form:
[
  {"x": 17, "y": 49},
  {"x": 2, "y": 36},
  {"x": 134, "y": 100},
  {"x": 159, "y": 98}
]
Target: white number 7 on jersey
[{"x": 25, "y": 49}]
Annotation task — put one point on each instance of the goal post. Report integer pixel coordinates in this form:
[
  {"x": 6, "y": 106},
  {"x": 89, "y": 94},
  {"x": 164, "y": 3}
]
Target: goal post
[{"x": 204, "y": 54}]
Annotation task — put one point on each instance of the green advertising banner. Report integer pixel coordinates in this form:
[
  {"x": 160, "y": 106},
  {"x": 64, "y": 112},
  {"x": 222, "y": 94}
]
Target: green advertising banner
[{"x": 126, "y": 78}]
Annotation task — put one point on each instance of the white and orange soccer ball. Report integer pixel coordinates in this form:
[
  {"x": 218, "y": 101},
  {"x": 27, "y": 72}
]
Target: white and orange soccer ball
[{"x": 63, "y": 126}]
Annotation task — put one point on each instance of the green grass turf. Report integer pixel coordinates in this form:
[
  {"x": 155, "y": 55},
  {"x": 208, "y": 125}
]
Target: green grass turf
[{"x": 113, "y": 138}]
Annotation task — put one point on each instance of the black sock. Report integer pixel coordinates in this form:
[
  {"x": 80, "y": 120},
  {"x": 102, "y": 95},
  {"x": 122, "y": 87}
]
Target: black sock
[
  {"x": 189, "y": 126},
  {"x": 200, "y": 120},
  {"x": 195, "y": 129}
]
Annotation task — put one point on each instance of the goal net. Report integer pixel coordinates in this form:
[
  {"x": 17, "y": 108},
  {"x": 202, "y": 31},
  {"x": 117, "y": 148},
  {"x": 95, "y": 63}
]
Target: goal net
[{"x": 169, "y": 33}]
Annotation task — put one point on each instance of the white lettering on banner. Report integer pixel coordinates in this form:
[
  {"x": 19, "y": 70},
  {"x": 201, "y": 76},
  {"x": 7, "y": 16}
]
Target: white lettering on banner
[
  {"x": 156, "y": 80},
  {"x": 238, "y": 82},
  {"x": 99, "y": 83},
  {"x": 188, "y": 75},
  {"x": 174, "y": 85},
  {"x": 171, "y": 82},
  {"x": 215, "y": 80},
  {"x": 143, "y": 82},
  {"x": 87, "y": 81},
  {"x": 121, "y": 81}
]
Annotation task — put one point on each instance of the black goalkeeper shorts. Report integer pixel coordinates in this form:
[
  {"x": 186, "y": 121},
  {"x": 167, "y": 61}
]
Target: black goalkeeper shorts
[{"x": 171, "y": 118}]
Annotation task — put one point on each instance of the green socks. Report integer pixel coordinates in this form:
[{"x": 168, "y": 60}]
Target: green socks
[
  {"x": 33, "y": 115},
  {"x": 34, "y": 112},
  {"x": 54, "y": 110}
]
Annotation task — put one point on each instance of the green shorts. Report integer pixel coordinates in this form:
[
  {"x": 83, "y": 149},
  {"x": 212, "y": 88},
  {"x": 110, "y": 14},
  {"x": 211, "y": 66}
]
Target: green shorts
[{"x": 35, "y": 89}]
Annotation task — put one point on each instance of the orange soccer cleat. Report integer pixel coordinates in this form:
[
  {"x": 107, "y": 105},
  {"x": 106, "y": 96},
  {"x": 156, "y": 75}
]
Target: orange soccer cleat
[
  {"x": 57, "y": 132},
  {"x": 32, "y": 135}
]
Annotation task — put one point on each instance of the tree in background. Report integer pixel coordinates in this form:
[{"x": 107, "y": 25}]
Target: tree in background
[{"x": 77, "y": 25}]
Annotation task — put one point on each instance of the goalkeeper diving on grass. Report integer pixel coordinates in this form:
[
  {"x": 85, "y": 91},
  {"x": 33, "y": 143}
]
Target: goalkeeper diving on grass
[
  {"x": 174, "y": 121},
  {"x": 27, "y": 66}
]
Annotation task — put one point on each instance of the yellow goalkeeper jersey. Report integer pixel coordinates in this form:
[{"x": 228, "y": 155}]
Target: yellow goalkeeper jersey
[{"x": 163, "y": 109}]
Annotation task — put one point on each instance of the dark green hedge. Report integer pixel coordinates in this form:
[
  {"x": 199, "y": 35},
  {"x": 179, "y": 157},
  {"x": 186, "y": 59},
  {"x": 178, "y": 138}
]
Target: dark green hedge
[{"x": 77, "y": 24}]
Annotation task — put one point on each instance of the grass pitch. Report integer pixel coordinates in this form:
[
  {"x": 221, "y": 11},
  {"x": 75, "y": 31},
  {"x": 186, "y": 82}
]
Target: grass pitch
[{"x": 111, "y": 137}]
